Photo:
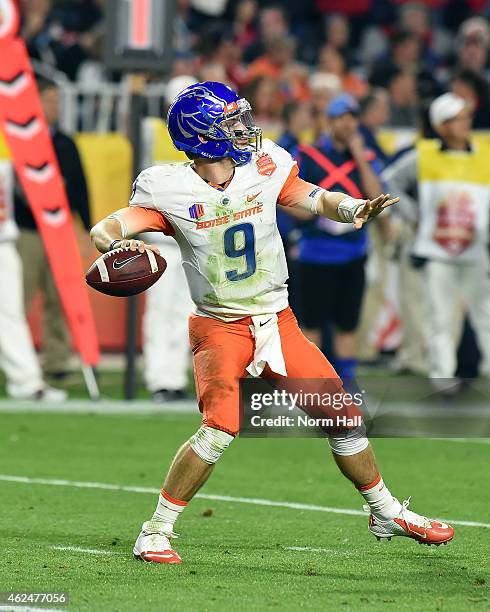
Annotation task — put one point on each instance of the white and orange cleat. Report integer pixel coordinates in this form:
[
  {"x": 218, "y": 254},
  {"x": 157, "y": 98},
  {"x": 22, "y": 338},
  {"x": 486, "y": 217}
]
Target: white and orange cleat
[
  {"x": 411, "y": 525},
  {"x": 153, "y": 544}
]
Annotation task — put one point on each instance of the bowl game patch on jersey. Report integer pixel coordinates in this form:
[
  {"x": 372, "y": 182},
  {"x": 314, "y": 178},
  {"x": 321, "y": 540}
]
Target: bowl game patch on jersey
[
  {"x": 265, "y": 164},
  {"x": 196, "y": 211}
]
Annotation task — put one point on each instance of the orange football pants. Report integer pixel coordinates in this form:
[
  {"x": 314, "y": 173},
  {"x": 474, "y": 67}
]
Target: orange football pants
[{"x": 222, "y": 351}]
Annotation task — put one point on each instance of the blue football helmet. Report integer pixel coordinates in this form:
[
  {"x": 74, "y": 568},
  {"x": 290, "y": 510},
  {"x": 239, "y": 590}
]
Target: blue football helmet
[{"x": 211, "y": 120}]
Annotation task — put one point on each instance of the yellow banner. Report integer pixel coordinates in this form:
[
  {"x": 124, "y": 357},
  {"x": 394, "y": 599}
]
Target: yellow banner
[
  {"x": 107, "y": 161},
  {"x": 437, "y": 165}
]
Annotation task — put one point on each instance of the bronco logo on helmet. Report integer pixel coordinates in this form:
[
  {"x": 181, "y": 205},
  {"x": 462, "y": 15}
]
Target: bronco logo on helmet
[{"x": 210, "y": 120}]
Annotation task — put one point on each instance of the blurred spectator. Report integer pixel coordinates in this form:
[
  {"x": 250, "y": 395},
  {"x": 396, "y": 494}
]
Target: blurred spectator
[
  {"x": 75, "y": 17},
  {"x": 451, "y": 205},
  {"x": 35, "y": 30},
  {"x": 332, "y": 255},
  {"x": 278, "y": 64},
  {"x": 411, "y": 357},
  {"x": 412, "y": 20},
  {"x": 244, "y": 23},
  {"x": 263, "y": 95},
  {"x": 37, "y": 272},
  {"x": 297, "y": 122},
  {"x": 82, "y": 61},
  {"x": 278, "y": 54},
  {"x": 65, "y": 35},
  {"x": 224, "y": 50},
  {"x": 273, "y": 25},
  {"x": 19, "y": 361},
  {"x": 184, "y": 65},
  {"x": 436, "y": 43},
  {"x": 323, "y": 87},
  {"x": 374, "y": 44},
  {"x": 374, "y": 114},
  {"x": 357, "y": 12},
  {"x": 474, "y": 89},
  {"x": 402, "y": 88},
  {"x": 406, "y": 50},
  {"x": 331, "y": 62},
  {"x": 184, "y": 39},
  {"x": 337, "y": 35},
  {"x": 472, "y": 43},
  {"x": 404, "y": 55},
  {"x": 165, "y": 348},
  {"x": 214, "y": 72}
]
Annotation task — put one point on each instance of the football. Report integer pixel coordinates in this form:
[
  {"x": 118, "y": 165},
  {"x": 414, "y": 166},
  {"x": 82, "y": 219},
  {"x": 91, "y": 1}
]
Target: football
[{"x": 123, "y": 272}]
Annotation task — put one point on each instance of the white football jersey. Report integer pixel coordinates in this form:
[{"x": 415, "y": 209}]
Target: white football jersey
[{"x": 231, "y": 249}]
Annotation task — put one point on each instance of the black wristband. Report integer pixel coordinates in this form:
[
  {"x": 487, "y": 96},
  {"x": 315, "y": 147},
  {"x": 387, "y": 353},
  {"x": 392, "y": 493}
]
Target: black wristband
[{"x": 111, "y": 247}]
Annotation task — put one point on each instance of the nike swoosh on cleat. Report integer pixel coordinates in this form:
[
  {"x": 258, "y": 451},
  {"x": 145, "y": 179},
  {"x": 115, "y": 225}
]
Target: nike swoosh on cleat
[
  {"x": 252, "y": 198},
  {"x": 117, "y": 265},
  {"x": 412, "y": 529},
  {"x": 170, "y": 557}
]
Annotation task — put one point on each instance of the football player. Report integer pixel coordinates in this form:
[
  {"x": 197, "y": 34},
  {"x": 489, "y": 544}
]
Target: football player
[{"x": 220, "y": 207}]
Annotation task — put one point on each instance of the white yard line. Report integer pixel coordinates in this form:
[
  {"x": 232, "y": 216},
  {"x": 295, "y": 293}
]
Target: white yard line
[
  {"x": 464, "y": 440},
  {"x": 223, "y": 498},
  {"x": 109, "y": 406},
  {"x": 104, "y": 406},
  {"x": 147, "y": 407}
]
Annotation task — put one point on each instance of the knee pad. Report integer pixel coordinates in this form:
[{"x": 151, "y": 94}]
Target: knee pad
[
  {"x": 353, "y": 441},
  {"x": 209, "y": 444}
]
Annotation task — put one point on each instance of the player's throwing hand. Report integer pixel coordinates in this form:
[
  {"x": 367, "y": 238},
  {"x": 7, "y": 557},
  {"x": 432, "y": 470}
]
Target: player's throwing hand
[
  {"x": 372, "y": 208},
  {"x": 134, "y": 245}
]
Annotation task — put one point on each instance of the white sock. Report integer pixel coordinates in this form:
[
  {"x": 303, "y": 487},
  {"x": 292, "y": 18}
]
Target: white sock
[
  {"x": 168, "y": 510},
  {"x": 381, "y": 502}
]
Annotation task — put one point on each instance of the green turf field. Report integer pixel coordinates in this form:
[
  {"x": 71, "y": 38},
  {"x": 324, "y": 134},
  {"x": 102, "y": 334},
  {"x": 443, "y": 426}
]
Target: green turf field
[{"x": 237, "y": 554}]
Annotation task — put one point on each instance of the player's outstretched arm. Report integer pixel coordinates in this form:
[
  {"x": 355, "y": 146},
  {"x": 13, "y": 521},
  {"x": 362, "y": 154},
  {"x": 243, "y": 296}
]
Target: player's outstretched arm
[
  {"x": 306, "y": 197},
  {"x": 117, "y": 230},
  {"x": 343, "y": 208}
]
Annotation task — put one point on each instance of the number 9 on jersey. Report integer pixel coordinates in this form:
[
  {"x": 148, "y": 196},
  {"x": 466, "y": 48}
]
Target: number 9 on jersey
[{"x": 239, "y": 242}]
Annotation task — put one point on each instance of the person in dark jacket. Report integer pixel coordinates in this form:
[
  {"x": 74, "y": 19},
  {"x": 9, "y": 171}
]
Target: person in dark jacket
[
  {"x": 37, "y": 272},
  {"x": 332, "y": 257}
]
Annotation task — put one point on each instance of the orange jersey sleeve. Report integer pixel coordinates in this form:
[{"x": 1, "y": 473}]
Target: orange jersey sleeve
[
  {"x": 137, "y": 219},
  {"x": 295, "y": 190}
]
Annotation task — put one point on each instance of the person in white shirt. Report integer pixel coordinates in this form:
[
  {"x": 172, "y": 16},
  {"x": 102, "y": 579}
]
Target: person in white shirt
[
  {"x": 18, "y": 357},
  {"x": 444, "y": 186}
]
